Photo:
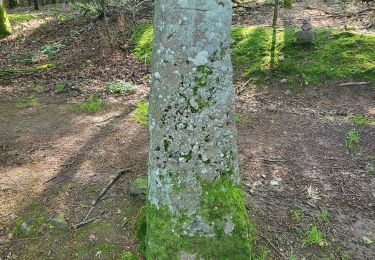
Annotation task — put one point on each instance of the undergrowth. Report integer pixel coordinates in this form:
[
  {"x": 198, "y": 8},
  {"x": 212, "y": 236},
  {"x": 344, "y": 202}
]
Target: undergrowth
[
  {"x": 22, "y": 17},
  {"x": 140, "y": 114},
  {"x": 119, "y": 86},
  {"x": 92, "y": 105},
  {"x": 27, "y": 102}
]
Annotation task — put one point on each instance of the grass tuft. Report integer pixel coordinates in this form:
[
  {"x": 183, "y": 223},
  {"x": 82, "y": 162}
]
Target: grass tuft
[
  {"x": 314, "y": 237},
  {"x": 353, "y": 140},
  {"x": 119, "y": 86},
  {"x": 92, "y": 105},
  {"x": 28, "y": 102},
  {"x": 140, "y": 115}
]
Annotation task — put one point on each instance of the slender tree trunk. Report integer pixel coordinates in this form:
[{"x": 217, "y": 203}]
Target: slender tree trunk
[
  {"x": 274, "y": 34},
  {"x": 5, "y": 28},
  {"x": 195, "y": 206},
  {"x": 36, "y": 4},
  {"x": 12, "y": 4}
]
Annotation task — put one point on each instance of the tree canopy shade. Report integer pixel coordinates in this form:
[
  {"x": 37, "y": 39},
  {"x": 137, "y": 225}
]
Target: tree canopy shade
[
  {"x": 195, "y": 202},
  {"x": 5, "y": 28}
]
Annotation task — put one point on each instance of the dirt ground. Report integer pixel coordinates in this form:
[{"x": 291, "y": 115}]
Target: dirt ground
[{"x": 292, "y": 150}]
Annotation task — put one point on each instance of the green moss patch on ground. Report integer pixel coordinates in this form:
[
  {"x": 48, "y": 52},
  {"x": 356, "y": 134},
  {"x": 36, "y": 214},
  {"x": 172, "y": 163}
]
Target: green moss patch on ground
[
  {"x": 142, "y": 37},
  {"x": 335, "y": 55},
  {"x": 22, "y": 17}
]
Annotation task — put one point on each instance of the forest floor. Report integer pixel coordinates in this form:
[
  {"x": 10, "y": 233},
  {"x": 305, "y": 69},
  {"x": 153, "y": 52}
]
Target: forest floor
[{"x": 71, "y": 117}]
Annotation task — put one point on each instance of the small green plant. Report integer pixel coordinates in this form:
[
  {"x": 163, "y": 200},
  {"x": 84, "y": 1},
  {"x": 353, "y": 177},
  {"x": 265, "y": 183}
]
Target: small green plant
[
  {"x": 314, "y": 237},
  {"x": 119, "y": 86},
  {"x": 51, "y": 49},
  {"x": 38, "y": 89},
  {"x": 140, "y": 114},
  {"x": 367, "y": 241},
  {"x": 324, "y": 215},
  {"x": 352, "y": 139},
  {"x": 106, "y": 248},
  {"x": 92, "y": 105},
  {"x": 142, "y": 38},
  {"x": 359, "y": 120},
  {"x": 370, "y": 169},
  {"x": 60, "y": 87},
  {"x": 28, "y": 102},
  {"x": 296, "y": 214},
  {"x": 127, "y": 256},
  {"x": 240, "y": 119}
]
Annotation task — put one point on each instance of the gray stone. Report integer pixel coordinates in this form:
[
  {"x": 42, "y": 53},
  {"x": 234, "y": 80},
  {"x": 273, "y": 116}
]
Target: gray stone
[
  {"x": 60, "y": 222},
  {"x": 307, "y": 33},
  {"x": 306, "y": 36},
  {"x": 28, "y": 226},
  {"x": 139, "y": 187},
  {"x": 283, "y": 81}
]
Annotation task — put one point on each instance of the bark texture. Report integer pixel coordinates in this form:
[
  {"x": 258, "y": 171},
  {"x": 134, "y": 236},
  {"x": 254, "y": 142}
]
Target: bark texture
[
  {"x": 195, "y": 201},
  {"x": 5, "y": 28}
]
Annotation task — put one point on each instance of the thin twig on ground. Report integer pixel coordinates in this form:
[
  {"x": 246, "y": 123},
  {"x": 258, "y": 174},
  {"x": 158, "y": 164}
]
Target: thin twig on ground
[
  {"x": 273, "y": 246},
  {"x": 109, "y": 184},
  {"x": 354, "y": 83},
  {"x": 80, "y": 224}
]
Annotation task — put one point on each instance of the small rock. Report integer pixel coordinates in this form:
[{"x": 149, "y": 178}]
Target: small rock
[
  {"x": 288, "y": 92},
  {"x": 139, "y": 187},
  {"x": 59, "y": 222},
  {"x": 93, "y": 238},
  {"x": 281, "y": 58},
  {"x": 283, "y": 81},
  {"x": 274, "y": 183},
  {"x": 272, "y": 108},
  {"x": 13, "y": 217}
]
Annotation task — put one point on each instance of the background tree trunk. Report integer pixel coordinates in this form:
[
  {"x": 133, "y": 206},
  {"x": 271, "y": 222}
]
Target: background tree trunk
[
  {"x": 195, "y": 201},
  {"x": 5, "y": 28},
  {"x": 36, "y": 4}
]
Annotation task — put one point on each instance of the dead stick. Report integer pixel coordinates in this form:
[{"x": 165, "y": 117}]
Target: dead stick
[
  {"x": 88, "y": 214},
  {"x": 274, "y": 247},
  {"x": 354, "y": 83},
  {"x": 109, "y": 184},
  {"x": 88, "y": 221}
]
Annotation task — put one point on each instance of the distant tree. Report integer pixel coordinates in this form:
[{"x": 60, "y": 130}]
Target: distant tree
[
  {"x": 12, "y": 4},
  {"x": 196, "y": 208},
  {"x": 5, "y": 28},
  {"x": 36, "y": 4}
]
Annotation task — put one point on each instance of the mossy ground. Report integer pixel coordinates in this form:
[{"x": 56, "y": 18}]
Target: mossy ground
[
  {"x": 21, "y": 17},
  {"x": 335, "y": 55},
  {"x": 220, "y": 199}
]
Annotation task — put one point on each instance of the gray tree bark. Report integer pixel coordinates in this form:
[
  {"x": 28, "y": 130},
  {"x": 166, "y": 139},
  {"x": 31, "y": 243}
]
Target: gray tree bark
[{"x": 195, "y": 201}]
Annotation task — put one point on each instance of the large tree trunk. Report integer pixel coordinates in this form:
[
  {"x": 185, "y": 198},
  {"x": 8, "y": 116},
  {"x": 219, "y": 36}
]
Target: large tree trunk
[
  {"x": 195, "y": 201},
  {"x": 5, "y": 28}
]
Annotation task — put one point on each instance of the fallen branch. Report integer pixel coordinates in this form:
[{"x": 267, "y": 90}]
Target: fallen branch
[
  {"x": 354, "y": 83},
  {"x": 109, "y": 184},
  {"x": 242, "y": 88},
  {"x": 80, "y": 224},
  {"x": 274, "y": 247},
  {"x": 351, "y": 14}
]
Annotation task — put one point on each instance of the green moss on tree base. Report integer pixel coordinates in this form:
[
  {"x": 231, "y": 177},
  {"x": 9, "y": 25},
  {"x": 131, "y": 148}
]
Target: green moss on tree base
[
  {"x": 222, "y": 208},
  {"x": 5, "y": 28}
]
